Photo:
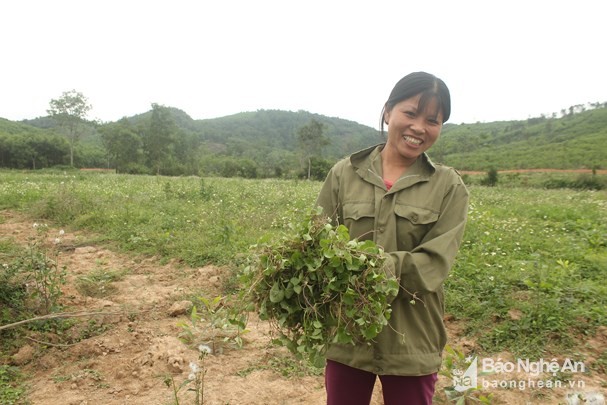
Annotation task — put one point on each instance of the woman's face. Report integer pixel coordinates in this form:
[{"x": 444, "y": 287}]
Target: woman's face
[{"x": 412, "y": 132}]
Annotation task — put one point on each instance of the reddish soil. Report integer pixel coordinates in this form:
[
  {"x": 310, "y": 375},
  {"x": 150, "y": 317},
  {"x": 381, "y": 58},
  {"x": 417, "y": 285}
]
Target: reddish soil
[{"x": 135, "y": 346}]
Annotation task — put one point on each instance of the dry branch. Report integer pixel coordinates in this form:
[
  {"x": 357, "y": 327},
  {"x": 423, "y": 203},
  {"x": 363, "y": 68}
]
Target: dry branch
[{"x": 60, "y": 315}]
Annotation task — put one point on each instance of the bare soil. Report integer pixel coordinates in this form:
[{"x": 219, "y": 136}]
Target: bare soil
[{"x": 126, "y": 355}]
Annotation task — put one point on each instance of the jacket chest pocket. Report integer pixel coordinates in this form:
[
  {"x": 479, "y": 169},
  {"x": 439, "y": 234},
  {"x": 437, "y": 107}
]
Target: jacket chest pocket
[
  {"x": 359, "y": 218},
  {"x": 412, "y": 224}
]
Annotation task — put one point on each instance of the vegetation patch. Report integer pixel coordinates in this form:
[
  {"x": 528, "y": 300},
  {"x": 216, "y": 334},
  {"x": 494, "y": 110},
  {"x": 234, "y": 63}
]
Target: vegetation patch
[
  {"x": 529, "y": 277},
  {"x": 317, "y": 286},
  {"x": 99, "y": 282},
  {"x": 12, "y": 390}
]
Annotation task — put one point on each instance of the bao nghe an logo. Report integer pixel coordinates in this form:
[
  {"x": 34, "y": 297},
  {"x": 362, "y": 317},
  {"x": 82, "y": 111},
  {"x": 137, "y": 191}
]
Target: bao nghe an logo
[{"x": 465, "y": 380}]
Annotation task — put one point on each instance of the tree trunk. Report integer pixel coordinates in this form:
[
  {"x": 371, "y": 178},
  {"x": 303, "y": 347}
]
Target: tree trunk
[{"x": 309, "y": 166}]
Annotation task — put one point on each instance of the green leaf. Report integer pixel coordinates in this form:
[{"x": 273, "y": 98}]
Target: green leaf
[
  {"x": 370, "y": 332},
  {"x": 317, "y": 360},
  {"x": 276, "y": 293}
]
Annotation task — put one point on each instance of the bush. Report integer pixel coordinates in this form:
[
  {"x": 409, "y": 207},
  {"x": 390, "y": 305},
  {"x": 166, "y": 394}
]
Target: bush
[
  {"x": 11, "y": 392},
  {"x": 582, "y": 182},
  {"x": 12, "y": 294},
  {"x": 491, "y": 179},
  {"x": 589, "y": 182}
]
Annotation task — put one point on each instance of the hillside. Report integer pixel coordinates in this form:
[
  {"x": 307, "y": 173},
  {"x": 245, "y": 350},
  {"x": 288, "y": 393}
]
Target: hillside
[
  {"x": 25, "y": 146},
  {"x": 8, "y": 127},
  {"x": 574, "y": 141},
  {"x": 265, "y": 141},
  {"x": 273, "y": 129}
]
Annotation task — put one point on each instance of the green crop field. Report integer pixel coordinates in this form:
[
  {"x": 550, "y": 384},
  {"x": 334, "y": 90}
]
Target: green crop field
[
  {"x": 529, "y": 278},
  {"x": 541, "y": 254}
]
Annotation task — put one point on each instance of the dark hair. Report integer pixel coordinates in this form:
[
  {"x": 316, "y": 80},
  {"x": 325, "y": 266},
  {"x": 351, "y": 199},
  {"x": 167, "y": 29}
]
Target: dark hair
[{"x": 429, "y": 86}]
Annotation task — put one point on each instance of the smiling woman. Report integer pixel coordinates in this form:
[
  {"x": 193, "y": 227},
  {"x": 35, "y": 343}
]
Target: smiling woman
[{"x": 394, "y": 195}]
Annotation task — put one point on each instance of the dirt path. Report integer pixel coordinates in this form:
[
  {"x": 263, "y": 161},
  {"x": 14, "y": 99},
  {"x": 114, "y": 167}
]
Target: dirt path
[{"x": 125, "y": 357}]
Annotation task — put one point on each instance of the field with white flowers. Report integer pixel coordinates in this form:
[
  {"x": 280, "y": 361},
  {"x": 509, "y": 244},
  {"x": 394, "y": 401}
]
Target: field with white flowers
[{"x": 118, "y": 263}]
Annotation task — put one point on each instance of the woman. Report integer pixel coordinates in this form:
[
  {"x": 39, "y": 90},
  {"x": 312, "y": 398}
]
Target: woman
[{"x": 416, "y": 210}]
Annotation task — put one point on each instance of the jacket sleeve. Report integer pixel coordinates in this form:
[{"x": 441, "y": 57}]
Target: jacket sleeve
[
  {"x": 425, "y": 268},
  {"x": 328, "y": 197}
]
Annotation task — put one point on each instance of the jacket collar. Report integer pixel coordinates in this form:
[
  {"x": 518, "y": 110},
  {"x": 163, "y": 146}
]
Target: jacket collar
[{"x": 367, "y": 164}]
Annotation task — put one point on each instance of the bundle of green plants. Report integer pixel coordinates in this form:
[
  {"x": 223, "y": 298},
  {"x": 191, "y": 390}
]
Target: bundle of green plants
[{"x": 317, "y": 286}]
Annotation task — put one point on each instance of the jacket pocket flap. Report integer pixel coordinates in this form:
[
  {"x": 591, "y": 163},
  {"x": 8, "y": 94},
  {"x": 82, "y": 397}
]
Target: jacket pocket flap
[
  {"x": 415, "y": 214},
  {"x": 358, "y": 210}
]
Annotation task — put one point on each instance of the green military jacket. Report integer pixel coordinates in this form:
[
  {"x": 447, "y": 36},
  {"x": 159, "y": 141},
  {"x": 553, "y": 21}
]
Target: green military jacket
[{"x": 420, "y": 223}]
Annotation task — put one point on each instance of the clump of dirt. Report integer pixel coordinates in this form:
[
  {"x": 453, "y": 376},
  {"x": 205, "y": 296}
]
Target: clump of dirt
[{"x": 129, "y": 353}]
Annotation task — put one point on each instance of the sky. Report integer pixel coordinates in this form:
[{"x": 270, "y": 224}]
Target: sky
[{"x": 502, "y": 60}]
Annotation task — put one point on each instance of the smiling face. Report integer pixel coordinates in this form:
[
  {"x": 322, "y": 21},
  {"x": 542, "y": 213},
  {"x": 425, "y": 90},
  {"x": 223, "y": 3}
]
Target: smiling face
[{"x": 411, "y": 131}]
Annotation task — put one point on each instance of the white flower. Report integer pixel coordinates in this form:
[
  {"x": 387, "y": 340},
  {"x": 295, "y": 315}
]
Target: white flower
[
  {"x": 192, "y": 377},
  {"x": 205, "y": 349},
  {"x": 57, "y": 241},
  {"x": 194, "y": 367},
  {"x": 61, "y": 232},
  {"x": 36, "y": 225}
]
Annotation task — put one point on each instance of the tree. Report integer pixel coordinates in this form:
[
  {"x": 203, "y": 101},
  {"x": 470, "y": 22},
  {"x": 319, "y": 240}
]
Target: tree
[
  {"x": 69, "y": 111},
  {"x": 32, "y": 151},
  {"x": 311, "y": 141},
  {"x": 491, "y": 179},
  {"x": 320, "y": 168},
  {"x": 159, "y": 137},
  {"x": 123, "y": 145}
]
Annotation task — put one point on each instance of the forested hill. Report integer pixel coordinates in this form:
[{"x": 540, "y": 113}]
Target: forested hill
[
  {"x": 576, "y": 140},
  {"x": 265, "y": 143},
  {"x": 273, "y": 130}
]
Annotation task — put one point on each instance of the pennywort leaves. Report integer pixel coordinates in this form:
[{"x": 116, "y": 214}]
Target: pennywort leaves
[{"x": 317, "y": 286}]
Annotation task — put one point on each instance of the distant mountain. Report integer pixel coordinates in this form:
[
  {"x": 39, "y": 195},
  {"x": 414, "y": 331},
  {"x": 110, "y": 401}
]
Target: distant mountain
[
  {"x": 278, "y": 129},
  {"x": 274, "y": 129},
  {"x": 576, "y": 140},
  {"x": 8, "y": 127},
  {"x": 41, "y": 122}
]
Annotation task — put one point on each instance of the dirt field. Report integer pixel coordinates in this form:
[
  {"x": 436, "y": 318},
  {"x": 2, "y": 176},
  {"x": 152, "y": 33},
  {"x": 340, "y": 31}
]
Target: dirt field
[{"x": 135, "y": 346}]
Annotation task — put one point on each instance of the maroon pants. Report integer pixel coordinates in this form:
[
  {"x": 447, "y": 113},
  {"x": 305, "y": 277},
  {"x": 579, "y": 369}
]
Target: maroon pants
[{"x": 346, "y": 385}]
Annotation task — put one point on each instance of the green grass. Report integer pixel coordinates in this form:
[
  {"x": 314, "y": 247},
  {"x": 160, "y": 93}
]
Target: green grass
[
  {"x": 529, "y": 274},
  {"x": 99, "y": 282},
  {"x": 529, "y": 277},
  {"x": 197, "y": 221},
  {"x": 12, "y": 391},
  {"x": 547, "y": 180}
]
